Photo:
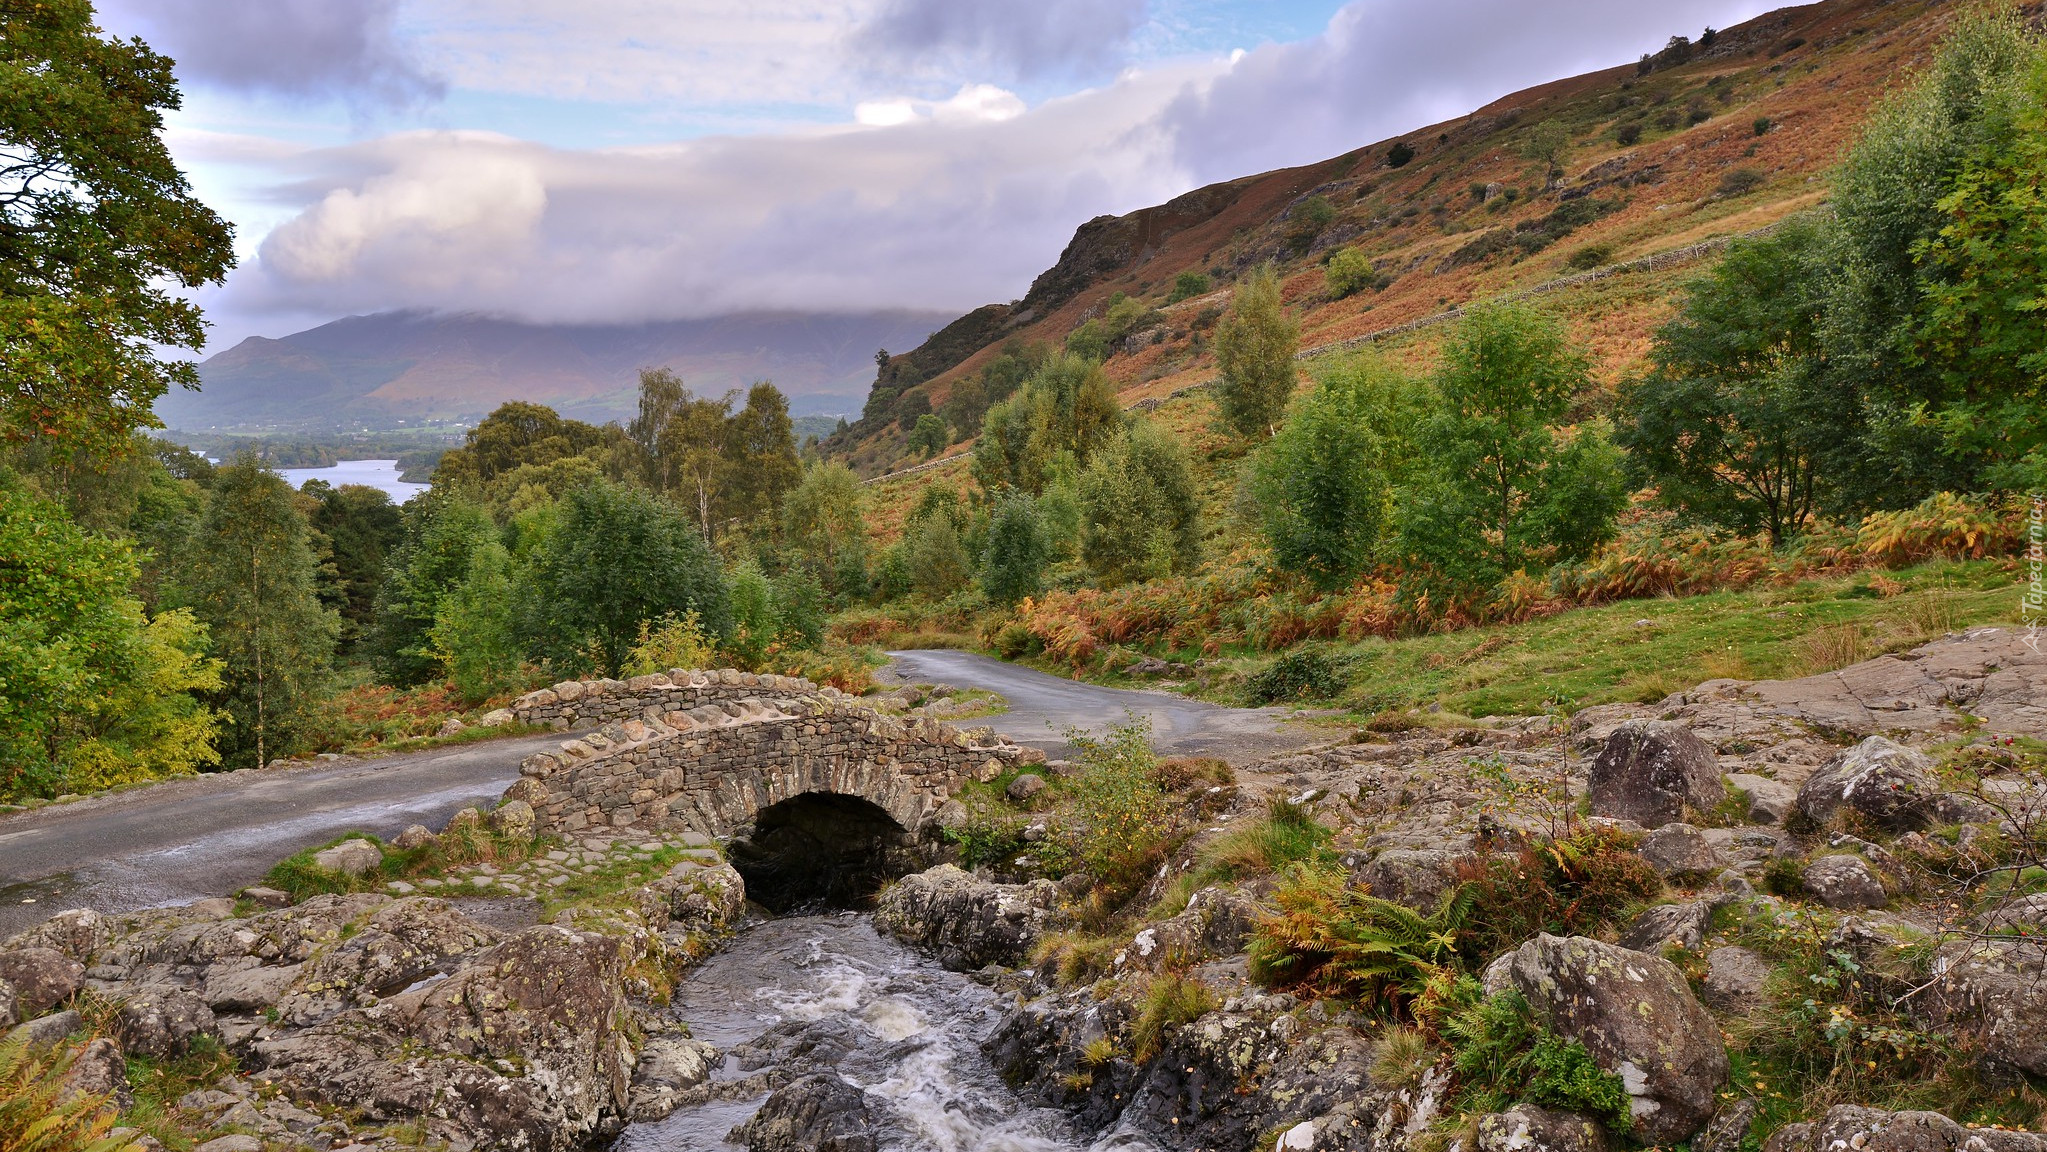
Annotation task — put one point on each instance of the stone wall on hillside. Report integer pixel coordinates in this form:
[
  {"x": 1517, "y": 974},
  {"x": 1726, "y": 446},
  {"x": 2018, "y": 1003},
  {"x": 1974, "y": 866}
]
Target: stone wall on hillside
[
  {"x": 712, "y": 767},
  {"x": 588, "y": 703}
]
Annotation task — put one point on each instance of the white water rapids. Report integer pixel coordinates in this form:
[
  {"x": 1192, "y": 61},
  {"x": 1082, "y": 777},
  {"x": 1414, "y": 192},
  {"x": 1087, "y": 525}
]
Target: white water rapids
[{"x": 915, "y": 1032}]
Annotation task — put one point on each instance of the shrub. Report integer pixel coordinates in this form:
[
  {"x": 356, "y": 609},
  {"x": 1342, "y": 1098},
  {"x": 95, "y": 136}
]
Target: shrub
[
  {"x": 1294, "y": 676},
  {"x": 1188, "y": 285},
  {"x": 1349, "y": 272},
  {"x": 1399, "y": 155},
  {"x": 1763, "y": 125},
  {"x": 1591, "y": 256},
  {"x": 1629, "y": 134},
  {"x": 1307, "y": 221},
  {"x": 1121, "y": 825},
  {"x": 1741, "y": 181},
  {"x": 1943, "y": 525}
]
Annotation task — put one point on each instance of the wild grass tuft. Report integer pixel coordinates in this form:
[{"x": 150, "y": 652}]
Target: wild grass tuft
[{"x": 1169, "y": 1001}]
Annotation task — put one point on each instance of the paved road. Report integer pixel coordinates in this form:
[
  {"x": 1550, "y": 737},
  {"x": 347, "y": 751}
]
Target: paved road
[
  {"x": 186, "y": 839},
  {"x": 1042, "y": 707}
]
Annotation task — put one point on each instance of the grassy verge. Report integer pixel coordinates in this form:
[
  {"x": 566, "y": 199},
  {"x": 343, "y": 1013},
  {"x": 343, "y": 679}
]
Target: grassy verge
[
  {"x": 461, "y": 844},
  {"x": 1643, "y": 650}
]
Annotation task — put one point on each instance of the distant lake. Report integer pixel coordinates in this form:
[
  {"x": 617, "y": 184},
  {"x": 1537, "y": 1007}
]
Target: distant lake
[{"x": 374, "y": 473}]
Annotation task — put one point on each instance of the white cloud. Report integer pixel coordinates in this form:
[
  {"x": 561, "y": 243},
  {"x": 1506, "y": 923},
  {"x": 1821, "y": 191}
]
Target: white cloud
[
  {"x": 1002, "y": 37},
  {"x": 961, "y": 202}
]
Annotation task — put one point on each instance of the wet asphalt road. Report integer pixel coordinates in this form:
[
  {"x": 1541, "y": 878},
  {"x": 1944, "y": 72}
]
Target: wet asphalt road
[
  {"x": 1042, "y": 707},
  {"x": 184, "y": 840}
]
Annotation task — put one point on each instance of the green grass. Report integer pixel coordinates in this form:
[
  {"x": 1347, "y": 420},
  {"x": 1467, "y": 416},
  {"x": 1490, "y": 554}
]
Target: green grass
[
  {"x": 599, "y": 888},
  {"x": 1603, "y": 655},
  {"x": 301, "y": 878}
]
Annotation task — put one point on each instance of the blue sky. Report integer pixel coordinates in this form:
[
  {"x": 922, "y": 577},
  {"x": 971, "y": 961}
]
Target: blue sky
[{"x": 621, "y": 160}]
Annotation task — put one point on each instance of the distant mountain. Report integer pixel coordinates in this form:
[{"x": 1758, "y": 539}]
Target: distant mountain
[{"x": 375, "y": 371}]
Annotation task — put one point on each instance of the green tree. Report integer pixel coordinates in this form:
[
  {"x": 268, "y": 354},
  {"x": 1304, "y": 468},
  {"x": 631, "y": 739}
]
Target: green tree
[
  {"x": 93, "y": 692},
  {"x": 936, "y": 557},
  {"x": 1323, "y": 486},
  {"x": 97, "y": 230},
  {"x": 252, "y": 583},
  {"x": 1138, "y": 506},
  {"x": 442, "y": 532},
  {"x": 616, "y": 558},
  {"x": 1737, "y": 419},
  {"x": 1983, "y": 322},
  {"x": 756, "y": 620},
  {"x": 1887, "y": 211},
  {"x": 516, "y": 435},
  {"x": 1548, "y": 143},
  {"x": 1068, "y": 405},
  {"x": 1018, "y": 551},
  {"x": 361, "y": 527},
  {"x": 475, "y": 633},
  {"x": 1254, "y": 354},
  {"x": 761, "y": 455},
  {"x": 801, "y": 607},
  {"x": 930, "y": 436},
  {"x": 824, "y": 527},
  {"x": 1498, "y": 491}
]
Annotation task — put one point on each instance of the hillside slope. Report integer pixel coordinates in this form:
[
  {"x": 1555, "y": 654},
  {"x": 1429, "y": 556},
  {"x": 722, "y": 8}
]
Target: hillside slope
[
  {"x": 1712, "y": 138},
  {"x": 376, "y": 370}
]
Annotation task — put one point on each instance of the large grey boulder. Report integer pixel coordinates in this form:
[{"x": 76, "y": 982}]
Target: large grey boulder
[
  {"x": 818, "y": 1113},
  {"x": 235, "y": 989},
  {"x": 1846, "y": 882},
  {"x": 1637, "y": 1017},
  {"x": 969, "y": 923},
  {"x": 1529, "y": 1128},
  {"x": 1653, "y": 772},
  {"x": 41, "y": 978},
  {"x": 1887, "y": 783}
]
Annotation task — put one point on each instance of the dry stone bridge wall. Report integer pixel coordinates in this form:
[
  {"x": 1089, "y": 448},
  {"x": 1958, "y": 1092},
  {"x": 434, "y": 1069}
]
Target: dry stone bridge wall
[{"x": 708, "y": 751}]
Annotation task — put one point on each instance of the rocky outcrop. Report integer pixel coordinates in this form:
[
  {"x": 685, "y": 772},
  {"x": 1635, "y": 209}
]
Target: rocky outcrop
[
  {"x": 1680, "y": 850},
  {"x": 818, "y": 1113},
  {"x": 1637, "y": 1017},
  {"x": 525, "y": 1043},
  {"x": 1653, "y": 773},
  {"x": 398, "y": 945},
  {"x": 1681, "y": 924},
  {"x": 968, "y": 923},
  {"x": 1873, "y": 1130}
]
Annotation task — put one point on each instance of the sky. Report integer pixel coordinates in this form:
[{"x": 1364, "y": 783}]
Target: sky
[{"x": 631, "y": 160}]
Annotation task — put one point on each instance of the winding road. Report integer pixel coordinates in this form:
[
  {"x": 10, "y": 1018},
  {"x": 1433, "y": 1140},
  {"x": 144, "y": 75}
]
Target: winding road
[
  {"x": 1042, "y": 707},
  {"x": 184, "y": 840}
]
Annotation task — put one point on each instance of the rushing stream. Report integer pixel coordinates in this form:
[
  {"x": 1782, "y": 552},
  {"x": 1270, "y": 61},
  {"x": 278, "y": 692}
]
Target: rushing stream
[{"x": 909, "y": 1031}]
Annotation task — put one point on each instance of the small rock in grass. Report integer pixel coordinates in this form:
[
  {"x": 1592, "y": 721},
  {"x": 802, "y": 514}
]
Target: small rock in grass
[
  {"x": 1844, "y": 882},
  {"x": 355, "y": 857}
]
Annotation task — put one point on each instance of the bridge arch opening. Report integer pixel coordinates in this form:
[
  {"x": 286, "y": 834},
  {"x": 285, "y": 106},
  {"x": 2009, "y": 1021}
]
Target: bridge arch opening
[{"x": 820, "y": 848}]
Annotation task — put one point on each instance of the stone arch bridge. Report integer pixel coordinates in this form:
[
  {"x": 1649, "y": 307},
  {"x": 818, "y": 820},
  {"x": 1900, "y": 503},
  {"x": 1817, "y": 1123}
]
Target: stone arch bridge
[{"x": 805, "y": 783}]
